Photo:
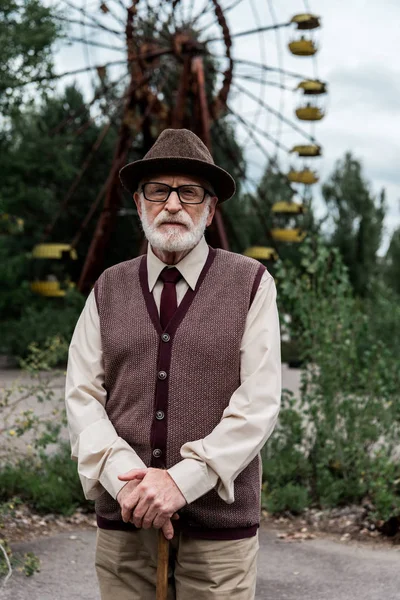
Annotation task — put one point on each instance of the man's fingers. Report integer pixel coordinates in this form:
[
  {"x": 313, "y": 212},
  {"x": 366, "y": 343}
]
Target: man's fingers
[
  {"x": 139, "y": 512},
  {"x": 168, "y": 530},
  {"x": 175, "y": 517},
  {"x": 132, "y": 474},
  {"x": 148, "y": 518},
  {"x": 127, "y": 505},
  {"x": 126, "y": 514}
]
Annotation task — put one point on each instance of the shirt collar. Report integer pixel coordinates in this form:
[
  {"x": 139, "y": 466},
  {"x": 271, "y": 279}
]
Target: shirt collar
[{"x": 189, "y": 267}]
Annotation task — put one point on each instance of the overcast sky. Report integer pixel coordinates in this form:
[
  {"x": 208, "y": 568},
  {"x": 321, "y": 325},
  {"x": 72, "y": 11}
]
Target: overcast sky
[{"x": 358, "y": 58}]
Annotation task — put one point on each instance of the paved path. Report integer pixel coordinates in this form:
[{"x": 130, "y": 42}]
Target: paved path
[{"x": 319, "y": 569}]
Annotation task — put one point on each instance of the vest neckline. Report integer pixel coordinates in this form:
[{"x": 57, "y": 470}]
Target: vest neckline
[{"x": 185, "y": 303}]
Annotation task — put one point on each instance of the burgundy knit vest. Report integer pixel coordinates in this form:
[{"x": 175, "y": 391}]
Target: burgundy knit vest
[{"x": 165, "y": 388}]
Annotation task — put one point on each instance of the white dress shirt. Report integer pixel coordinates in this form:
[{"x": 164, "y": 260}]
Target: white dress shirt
[{"x": 217, "y": 459}]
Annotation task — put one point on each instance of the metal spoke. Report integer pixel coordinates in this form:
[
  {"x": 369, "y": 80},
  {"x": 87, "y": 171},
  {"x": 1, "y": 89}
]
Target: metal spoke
[
  {"x": 253, "y": 127},
  {"x": 160, "y": 31},
  {"x": 76, "y": 22},
  {"x": 263, "y": 67},
  {"x": 97, "y": 44},
  {"x": 260, "y": 213},
  {"x": 252, "y": 135},
  {"x": 88, "y": 69},
  {"x": 264, "y": 82},
  {"x": 114, "y": 16},
  {"x": 271, "y": 161},
  {"x": 231, "y": 6},
  {"x": 263, "y": 59},
  {"x": 190, "y": 11},
  {"x": 174, "y": 5},
  {"x": 248, "y": 32},
  {"x": 206, "y": 9},
  {"x": 274, "y": 112},
  {"x": 100, "y": 93},
  {"x": 122, "y": 5},
  {"x": 280, "y": 65},
  {"x": 91, "y": 18}
]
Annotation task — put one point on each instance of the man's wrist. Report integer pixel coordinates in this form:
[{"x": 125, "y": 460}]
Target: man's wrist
[{"x": 194, "y": 478}]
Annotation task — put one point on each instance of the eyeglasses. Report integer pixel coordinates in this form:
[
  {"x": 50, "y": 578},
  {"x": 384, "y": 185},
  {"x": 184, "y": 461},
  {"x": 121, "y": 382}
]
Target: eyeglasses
[{"x": 187, "y": 194}]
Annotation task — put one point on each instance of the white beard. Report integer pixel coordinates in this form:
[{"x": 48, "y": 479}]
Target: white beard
[{"x": 174, "y": 239}]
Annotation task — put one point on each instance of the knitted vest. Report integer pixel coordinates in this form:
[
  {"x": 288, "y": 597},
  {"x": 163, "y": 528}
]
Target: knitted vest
[{"x": 165, "y": 388}]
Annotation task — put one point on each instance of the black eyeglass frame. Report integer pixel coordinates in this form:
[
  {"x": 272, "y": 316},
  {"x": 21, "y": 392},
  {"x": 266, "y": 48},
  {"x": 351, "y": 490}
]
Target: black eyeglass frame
[{"x": 176, "y": 189}]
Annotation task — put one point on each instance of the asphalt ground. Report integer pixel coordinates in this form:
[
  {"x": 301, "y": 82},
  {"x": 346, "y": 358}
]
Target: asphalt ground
[{"x": 314, "y": 569}]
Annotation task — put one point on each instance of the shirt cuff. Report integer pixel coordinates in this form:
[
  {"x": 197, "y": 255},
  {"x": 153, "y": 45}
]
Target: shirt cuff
[
  {"x": 120, "y": 461},
  {"x": 194, "y": 478}
]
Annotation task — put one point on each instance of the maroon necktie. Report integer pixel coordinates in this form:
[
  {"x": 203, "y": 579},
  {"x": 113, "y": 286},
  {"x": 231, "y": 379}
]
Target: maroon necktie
[{"x": 169, "y": 302}]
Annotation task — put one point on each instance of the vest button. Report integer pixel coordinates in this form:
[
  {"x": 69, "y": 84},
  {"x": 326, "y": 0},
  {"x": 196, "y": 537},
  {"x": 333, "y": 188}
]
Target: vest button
[
  {"x": 157, "y": 453},
  {"x": 162, "y": 375},
  {"x": 165, "y": 337},
  {"x": 160, "y": 415}
]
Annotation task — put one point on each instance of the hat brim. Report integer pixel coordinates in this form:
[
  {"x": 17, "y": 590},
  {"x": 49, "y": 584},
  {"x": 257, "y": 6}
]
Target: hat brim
[{"x": 222, "y": 182}]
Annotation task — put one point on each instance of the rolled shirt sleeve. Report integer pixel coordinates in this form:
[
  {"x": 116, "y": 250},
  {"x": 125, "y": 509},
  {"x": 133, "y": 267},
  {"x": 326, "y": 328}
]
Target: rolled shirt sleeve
[
  {"x": 95, "y": 445},
  {"x": 252, "y": 413}
]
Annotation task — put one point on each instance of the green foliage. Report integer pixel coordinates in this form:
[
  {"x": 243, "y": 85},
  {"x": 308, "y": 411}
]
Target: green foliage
[
  {"x": 49, "y": 485},
  {"x": 31, "y": 564},
  {"x": 39, "y": 319},
  {"x": 19, "y": 418},
  {"x": 392, "y": 262},
  {"x": 346, "y": 424},
  {"x": 382, "y": 310},
  {"x": 27, "y": 32},
  {"x": 29, "y": 473},
  {"x": 357, "y": 220},
  {"x": 41, "y": 160},
  {"x": 285, "y": 468},
  {"x": 291, "y": 497},
  {"x": 28, "y": 563},
  {"x": 39, "y": 165}
]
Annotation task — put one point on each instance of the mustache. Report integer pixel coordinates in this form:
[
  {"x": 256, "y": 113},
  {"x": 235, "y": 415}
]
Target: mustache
[{"x": 166, "y": 219}]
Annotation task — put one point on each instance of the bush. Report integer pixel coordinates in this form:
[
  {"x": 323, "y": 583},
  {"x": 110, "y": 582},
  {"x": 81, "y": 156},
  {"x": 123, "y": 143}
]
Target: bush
[
  {"x": 41, "y": 319},
  {"x": 290, "y": 497},
  {"x": 339, "y": 442},
  {"x": 47, "y": 482},
  {"x": 49, "y": 485}
]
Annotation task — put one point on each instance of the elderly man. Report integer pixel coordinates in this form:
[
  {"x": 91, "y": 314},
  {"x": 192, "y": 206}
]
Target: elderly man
[{"x": 173, "y": 387}]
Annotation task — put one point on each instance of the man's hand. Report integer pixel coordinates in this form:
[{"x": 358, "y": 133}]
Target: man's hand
[
  {"x": 155, "y": 499},
  {"x": 124, "y": 497},
  {"x": 126, "y": 491}
]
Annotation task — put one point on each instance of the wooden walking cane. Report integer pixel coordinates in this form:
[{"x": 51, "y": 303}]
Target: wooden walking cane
[{"x": 162, "y": 567}]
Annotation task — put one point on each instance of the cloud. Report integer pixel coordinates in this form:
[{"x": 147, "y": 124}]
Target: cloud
[{"x": 369, "y": 86}]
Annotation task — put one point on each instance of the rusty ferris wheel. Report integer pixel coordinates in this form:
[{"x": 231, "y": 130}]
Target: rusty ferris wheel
[{"x": 186, "y": 63}]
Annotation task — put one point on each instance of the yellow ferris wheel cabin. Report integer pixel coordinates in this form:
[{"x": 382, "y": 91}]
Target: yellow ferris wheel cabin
[
  {"x": 303, "y": 47},
  {"x": 307, "y": 150},
  {"x": 288, "y": 235},
  {"x": 312, "y": 87},
  {"x": 261, "y": 253},
  {"x": 284, "y": 207},
  {"x": 305, "y": 176},
  {"x": 309, "y": 113},
  {"x": 305, "y": 21}
]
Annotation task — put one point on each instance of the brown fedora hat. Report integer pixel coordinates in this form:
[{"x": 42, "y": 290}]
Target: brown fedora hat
[{"x": 179, "y": 150}]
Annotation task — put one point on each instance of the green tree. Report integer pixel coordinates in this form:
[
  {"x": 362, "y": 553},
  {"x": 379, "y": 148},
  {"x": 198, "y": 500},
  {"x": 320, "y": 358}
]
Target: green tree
[
  {"x": 253, "y": 214},
  {"x": 27, "y": 32},
  {"x": 343, "y": 430},
  {"x": 357, "y": 218},
  {"x": 392, "y": 262},
  {"x": 41, "y": 160}
]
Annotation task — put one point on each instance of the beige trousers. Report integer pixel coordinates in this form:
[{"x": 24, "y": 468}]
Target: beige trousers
[{"x": 126, "y": 564}]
